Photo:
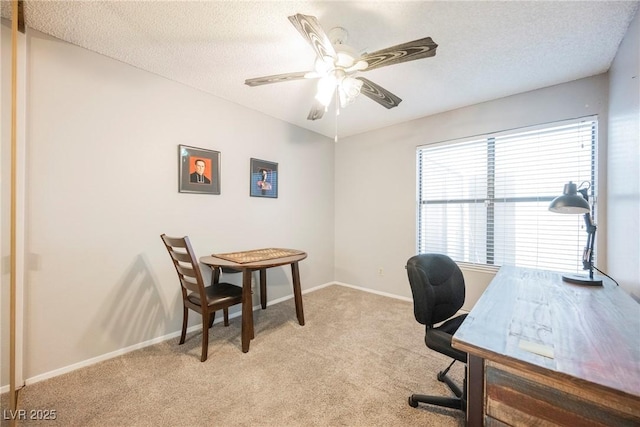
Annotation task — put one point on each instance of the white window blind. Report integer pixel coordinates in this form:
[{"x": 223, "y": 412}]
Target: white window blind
[{"x": 485, "y": 200}]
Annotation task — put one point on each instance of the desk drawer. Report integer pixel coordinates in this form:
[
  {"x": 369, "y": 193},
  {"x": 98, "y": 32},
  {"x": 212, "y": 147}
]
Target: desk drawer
[{"x": 523, "y": 398}]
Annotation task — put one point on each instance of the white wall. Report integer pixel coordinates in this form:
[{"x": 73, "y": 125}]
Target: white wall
[
  {"x": 624, "y": 162},
  {"x": 102, "y": 147},
  {"x": 376, "y": 180}
]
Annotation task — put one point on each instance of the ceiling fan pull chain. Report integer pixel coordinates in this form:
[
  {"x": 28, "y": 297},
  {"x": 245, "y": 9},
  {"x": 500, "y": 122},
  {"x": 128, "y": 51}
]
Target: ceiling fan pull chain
[{"x": 335, "y": 139}]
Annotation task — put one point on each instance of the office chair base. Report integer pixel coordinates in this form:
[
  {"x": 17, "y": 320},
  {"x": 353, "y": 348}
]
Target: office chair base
[
  {"x": 444, "y": 378},
  {"x": 459, "y": 402},
  {"x": 447, "y": 402}
]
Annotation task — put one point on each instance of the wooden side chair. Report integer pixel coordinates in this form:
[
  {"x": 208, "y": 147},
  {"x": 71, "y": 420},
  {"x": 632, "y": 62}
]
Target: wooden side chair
[{"x": 195, "y": 295}]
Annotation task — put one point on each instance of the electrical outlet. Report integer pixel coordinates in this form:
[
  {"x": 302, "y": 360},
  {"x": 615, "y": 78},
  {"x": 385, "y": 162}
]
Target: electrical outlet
[
  {"x": 381, "y": 272},
  {"x": 253, "y": 282}
]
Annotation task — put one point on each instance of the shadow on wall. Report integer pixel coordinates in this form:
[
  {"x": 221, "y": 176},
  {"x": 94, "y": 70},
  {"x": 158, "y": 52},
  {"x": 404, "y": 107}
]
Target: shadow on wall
[{"x": 134, "y": 312}]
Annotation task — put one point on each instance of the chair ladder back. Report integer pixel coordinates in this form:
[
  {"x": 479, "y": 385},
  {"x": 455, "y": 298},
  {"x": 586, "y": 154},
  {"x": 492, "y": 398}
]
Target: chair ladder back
[
  {"x": 182, "y": 257},
  {"x": 185, "y": 263},
  {"x": 174, "y": 242},
  {"x": 189, "y": 285}
]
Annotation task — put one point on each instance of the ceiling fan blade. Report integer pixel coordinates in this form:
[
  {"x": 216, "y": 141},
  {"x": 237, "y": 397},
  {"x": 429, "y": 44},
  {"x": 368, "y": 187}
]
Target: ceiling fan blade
[
  {"x": 378, "y": 93},
  {"x": 276, "y": 78},
  {"x": 317, "y": 111},
  {"x": 311, "y": 30},
  {"x": 410, "y": 51}
]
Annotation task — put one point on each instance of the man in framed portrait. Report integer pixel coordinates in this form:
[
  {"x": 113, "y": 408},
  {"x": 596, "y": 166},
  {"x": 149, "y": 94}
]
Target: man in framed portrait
[
  {"x": 199, "y": 176},
  {"x": 264, "y": 183}
]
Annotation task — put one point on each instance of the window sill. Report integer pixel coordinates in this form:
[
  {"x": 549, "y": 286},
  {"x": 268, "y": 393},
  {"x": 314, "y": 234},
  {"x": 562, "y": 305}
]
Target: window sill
[{"x": 481, "y": 268}]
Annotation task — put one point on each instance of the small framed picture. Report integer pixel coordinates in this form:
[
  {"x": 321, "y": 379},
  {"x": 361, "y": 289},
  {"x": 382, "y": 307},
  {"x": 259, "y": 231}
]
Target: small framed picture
[
  {"x": 198, "y": 171},
  {"x": 263, "y": 179}
]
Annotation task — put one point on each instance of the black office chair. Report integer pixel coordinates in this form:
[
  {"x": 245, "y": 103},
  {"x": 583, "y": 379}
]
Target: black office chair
[{"x": 438, "y": 292}]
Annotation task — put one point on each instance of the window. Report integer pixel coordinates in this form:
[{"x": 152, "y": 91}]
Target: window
[{"x": 485, "y": 200}]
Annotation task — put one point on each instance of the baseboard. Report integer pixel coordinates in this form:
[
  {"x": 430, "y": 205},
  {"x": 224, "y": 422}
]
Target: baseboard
[
  {"x": 385, "y": 294},
  {"x": 371, "y": 291},
  {"x": 120, "y": 352},
  {"x": 108, "y": 356}
]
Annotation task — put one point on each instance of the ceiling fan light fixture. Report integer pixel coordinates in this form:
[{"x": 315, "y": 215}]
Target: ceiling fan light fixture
[
  {"x": 345, "y": 55},
  {"x": 326, "y": 89},
  {"x": 343, "y": 60},
  {"x": 348, "y": 90},
  {"x": 358, "y": 66},
  {"x": 324, "y": 65}
]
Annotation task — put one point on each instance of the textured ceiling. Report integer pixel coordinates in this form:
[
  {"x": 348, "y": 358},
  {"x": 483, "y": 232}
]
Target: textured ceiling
[{"x": 487, "y": 49}]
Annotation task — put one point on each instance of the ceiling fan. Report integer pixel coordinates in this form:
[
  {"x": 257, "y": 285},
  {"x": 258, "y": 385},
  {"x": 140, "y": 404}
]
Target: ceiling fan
[{"x": 337, "y": 64}]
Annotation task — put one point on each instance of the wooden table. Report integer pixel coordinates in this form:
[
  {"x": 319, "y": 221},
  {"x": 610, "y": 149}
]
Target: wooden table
[
  {"x": 247, "y": 268},
  {"x": 543, "y": 351}
]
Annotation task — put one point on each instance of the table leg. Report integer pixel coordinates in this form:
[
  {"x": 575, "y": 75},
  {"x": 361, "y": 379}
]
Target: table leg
[
  {"x": 215, "y": 275},
  {"x": 297, "y": 292},
  {"x": 263, "y": 288},
  {"x": 475, "y": 390},
  {"x": 247, "y": 311}
]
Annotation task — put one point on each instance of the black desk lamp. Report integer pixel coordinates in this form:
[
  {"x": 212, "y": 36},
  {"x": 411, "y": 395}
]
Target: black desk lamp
[{"x": 572, "y": 203}]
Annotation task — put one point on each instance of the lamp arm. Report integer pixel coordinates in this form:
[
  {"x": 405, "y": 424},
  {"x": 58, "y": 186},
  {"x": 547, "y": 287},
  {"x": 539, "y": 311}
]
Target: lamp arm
[{"x": 587, "y": 255}]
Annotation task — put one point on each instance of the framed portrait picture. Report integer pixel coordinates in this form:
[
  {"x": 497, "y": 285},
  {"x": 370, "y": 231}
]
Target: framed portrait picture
[
  {"x": 198, "y": 171},
  {"x": 263, "y": 179}
]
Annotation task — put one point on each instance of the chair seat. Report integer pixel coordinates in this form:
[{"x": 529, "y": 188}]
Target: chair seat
[
  {"x": 439, "y": 338},
  {"x": 218, "y": 293}
]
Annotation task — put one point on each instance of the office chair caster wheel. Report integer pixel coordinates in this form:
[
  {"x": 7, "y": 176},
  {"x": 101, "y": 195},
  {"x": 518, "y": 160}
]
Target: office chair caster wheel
[{"x": 412, "y": 402}]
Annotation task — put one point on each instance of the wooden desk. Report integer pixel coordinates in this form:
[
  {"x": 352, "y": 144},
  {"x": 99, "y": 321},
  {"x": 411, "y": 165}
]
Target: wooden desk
[
  {"x": 590, "y": 373},
  {"x": 247, "y": 304}
]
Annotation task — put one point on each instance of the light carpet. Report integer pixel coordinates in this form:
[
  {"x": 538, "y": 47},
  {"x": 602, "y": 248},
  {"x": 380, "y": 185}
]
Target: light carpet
[{"x": 355, "y": 363}]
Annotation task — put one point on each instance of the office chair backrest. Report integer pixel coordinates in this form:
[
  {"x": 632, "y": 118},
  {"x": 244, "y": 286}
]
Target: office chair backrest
[{"x": 437, "y": 286}]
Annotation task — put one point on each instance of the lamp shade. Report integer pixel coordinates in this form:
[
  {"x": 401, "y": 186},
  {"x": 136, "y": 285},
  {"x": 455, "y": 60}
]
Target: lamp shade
[{"x": 570, "y": 202}]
